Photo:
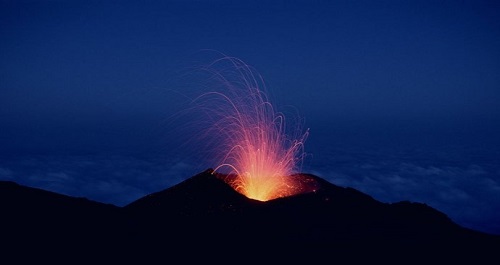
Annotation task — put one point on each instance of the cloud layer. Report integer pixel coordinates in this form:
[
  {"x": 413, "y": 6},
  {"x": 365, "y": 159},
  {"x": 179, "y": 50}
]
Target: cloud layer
[
  {"x": 459, "y": 182},
  {"x": 463, "y": 186},
  {"x": 114, "y": 179}
]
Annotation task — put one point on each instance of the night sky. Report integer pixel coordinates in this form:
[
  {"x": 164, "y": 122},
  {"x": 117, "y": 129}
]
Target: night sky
[{"x": 401, "y": 98}]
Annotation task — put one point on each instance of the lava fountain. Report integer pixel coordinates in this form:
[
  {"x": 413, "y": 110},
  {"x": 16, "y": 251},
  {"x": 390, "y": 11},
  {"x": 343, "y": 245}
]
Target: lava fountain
[{"x": 254, "y": 153}]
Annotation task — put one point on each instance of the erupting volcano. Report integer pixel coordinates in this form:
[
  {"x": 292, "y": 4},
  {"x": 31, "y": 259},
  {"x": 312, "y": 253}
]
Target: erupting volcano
[{"x": 254, "y": 152}]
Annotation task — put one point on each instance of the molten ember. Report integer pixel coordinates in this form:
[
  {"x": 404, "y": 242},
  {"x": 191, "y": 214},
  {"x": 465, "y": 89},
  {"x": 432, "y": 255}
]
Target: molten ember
[{"x": 253, "y": 149}]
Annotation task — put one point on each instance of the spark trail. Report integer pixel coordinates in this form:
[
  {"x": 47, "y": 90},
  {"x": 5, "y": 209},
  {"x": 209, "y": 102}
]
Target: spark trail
[{"x": 255, "y": 154}]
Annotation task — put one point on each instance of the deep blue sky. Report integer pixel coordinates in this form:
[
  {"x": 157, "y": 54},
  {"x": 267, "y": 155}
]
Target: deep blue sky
[{"x": 401, "y": 97}]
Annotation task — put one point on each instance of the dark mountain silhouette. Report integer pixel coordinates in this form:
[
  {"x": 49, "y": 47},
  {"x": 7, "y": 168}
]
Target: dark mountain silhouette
[
  {"x": 203, "y": 212},
  {"x": 42, "y": 225}
]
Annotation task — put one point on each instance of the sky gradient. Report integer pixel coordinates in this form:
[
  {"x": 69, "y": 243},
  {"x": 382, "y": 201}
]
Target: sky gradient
[{"x": 400, "y": 97}]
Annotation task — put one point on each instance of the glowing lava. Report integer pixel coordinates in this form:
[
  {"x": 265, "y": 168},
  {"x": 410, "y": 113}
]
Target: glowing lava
[{"x": 252, "y": 147}]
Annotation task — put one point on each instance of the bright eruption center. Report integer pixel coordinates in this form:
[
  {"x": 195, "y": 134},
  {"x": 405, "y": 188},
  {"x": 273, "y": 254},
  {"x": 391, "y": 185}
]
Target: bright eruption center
[{"x": 252, "y": 145}]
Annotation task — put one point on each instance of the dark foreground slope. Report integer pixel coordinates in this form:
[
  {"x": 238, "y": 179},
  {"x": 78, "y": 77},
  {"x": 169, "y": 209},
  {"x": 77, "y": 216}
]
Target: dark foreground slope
[
  {"x": 203, "y": 212},
  {"x": 204, "y": 207},
  {"x": 36, "y": 222}
]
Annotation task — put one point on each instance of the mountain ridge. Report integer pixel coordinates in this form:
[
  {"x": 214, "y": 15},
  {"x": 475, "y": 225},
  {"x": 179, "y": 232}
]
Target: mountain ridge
[{"x": 203, "y": 209}]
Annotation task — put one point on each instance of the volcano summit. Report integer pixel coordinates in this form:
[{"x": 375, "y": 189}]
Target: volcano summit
[{"x": 204, "y": 211}]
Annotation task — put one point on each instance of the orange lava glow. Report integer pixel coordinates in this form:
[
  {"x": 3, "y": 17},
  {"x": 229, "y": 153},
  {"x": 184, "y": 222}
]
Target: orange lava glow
[
  {"x": 252, "y": 145},
  {"x": 271, "y": 188}
]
